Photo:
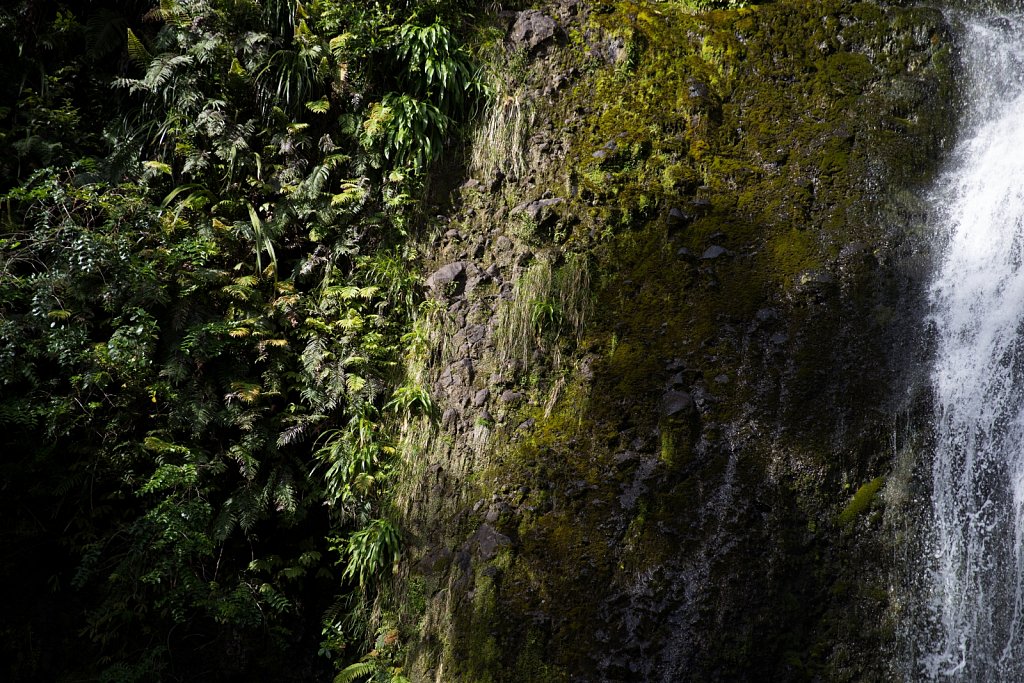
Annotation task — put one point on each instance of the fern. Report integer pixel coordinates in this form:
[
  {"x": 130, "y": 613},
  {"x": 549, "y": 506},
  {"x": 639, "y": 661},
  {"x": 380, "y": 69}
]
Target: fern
[
  {"x": 273, "y": 597},
  {"x": 285, "y": 495},
  {"x": 354, "y": 672},
  {"x": 225, "y": 522},
  {"x": 137, "y": 50},
  {"x": 161, "y": 70},
  {"x": 321, "y": 106},
  {"x": 172, "y": 12}
]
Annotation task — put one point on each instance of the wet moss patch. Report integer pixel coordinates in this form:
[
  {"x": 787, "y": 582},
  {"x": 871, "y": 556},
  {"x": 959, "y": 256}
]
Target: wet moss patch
[{"x": 861, "y": 501}]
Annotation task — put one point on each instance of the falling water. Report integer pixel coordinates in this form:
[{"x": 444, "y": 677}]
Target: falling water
[{"x": 974, "y": 573}]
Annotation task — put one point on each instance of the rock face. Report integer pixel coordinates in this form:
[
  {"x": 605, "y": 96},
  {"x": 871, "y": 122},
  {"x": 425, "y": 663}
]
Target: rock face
[
  {"x": 447, "y": 275},
  {"x": 532, "y": 28},
  {"x": 673, "y": 369}
]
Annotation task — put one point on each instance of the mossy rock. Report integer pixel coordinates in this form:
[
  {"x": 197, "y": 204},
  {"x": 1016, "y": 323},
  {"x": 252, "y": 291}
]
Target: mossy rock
[{"x": 786, "y": 142}]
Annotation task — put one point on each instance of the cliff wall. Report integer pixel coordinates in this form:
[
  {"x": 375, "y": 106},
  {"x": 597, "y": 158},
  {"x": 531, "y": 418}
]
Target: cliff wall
[{"x": 673, "y": 337}]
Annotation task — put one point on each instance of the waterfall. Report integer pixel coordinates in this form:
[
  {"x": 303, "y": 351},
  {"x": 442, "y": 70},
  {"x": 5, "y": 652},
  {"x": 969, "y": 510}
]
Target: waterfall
[{"x": 973, "y": 572}]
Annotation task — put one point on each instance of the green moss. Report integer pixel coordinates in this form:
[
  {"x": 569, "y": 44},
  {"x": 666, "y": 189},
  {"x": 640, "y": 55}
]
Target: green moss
[
  {"x": 846, "y": 73},
  {"x": 531, "y": 663},
  {"x": 416, "y": 596},
  {"x": 793, "y": 252},
  {"x": 863, "y": 498},
  {"x": 483, "y": 654}
]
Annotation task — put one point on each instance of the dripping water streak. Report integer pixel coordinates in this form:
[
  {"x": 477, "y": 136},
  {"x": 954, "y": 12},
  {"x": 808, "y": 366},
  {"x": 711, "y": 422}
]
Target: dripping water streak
[{"x": 974, "y": 575}]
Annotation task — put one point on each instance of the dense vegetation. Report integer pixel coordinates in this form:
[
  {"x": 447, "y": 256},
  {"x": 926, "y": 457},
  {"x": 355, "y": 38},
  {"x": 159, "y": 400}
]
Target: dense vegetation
[{"x": 204, "y": 287}]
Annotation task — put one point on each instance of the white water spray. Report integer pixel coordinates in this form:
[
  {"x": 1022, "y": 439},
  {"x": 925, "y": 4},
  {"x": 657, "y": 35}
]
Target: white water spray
[{"x": 974, "y": 574}]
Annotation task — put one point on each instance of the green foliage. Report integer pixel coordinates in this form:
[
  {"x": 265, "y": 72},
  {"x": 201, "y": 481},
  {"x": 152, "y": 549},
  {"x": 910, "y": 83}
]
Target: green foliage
[
  {"x": 354, "y": 672},
  {"x": 370, "y": 550},
  {"x": 104, "y": 313},
  {"x": 545, "y": 315},
  {"x": 409, "y": 400},
  {"x": 383, "y": 663},
  {"x": 436, "y": 85},
  {"x": 201, "y": 321}
]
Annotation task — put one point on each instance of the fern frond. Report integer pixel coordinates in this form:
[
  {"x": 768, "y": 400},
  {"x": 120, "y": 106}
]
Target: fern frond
[
  {"x": 225, "y": 522},
  {"x": 285, "y": 496},
  {"x": 171, "y": 12},
  {"x": 321, "y": 106},
  {"x": 354, "y": 672},
  {"x": 275, "y": 599},
  {"x": 354, "y": 384},
  {"x": 162, "y": 68},
  {"x": 137, "y": 50}
]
